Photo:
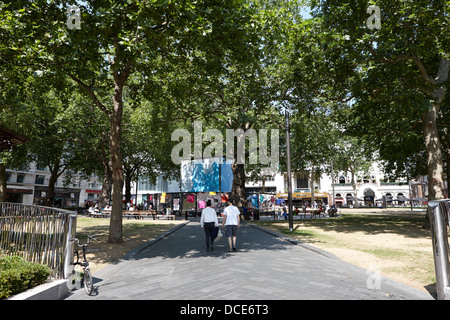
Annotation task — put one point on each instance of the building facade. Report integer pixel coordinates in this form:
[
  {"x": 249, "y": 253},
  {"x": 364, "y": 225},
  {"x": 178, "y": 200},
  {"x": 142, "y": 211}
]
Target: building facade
[
  {"x": 373, "y": 189},
  {"x": 30, "y": 186},
  {"x": 369, "y": 190}
]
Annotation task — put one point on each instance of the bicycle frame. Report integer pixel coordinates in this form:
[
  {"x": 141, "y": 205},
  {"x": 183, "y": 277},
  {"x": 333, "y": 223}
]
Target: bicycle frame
[
  {"x": 87, "y": 277},
  {"x": 83, "y": 263}
]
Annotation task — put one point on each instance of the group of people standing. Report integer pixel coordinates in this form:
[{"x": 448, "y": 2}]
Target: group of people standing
[{"x": 230, "y": 223}]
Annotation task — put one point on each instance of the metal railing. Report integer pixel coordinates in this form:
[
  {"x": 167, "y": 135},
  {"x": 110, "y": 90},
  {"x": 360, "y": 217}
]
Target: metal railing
[
  {"x": 439, "y": 223},
  {"x": 38, "y": 234}
]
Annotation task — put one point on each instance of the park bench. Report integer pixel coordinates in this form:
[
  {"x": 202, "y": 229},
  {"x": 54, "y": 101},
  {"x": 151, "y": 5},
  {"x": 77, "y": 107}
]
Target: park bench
[
  {"x": 99, "y": 214},
  {"x": 165, "y": 217},
  {"x": 316, "y": 212},
  {"x": 312, "y": 212},
  {"x": 139, "y": 214}
]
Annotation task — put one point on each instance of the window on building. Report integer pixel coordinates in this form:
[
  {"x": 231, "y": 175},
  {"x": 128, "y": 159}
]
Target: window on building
[
  {"x": 145, "y": 184},
  {"x": 39, "y": 179},
  {"x": 20, "y": 178},
  {"x": 342, "y": 179},
  {"x": 302, "y": 183}
]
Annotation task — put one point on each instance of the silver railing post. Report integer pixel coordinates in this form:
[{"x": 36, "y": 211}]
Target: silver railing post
[
  {"x": 68, "y": 252},
  {"x": 438, "y": 213}
]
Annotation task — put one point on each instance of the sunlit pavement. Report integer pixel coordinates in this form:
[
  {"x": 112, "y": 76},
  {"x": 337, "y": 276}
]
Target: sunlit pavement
[{"x": 265, "y": 267}]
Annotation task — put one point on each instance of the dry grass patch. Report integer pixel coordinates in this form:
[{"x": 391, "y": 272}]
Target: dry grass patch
[
  {"x": 393, "y": 243},
  {"x": 135, "y": 233}
]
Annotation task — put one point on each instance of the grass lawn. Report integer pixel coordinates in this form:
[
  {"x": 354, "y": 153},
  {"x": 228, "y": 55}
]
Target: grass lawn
[
  {"x": 135, "y": 233},
  {"x": 391, "y": 242}
]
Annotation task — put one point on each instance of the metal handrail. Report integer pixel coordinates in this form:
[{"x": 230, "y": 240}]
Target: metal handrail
[
  {"x": 39, "y": 234},
  {"x": 439, "y": 222}
]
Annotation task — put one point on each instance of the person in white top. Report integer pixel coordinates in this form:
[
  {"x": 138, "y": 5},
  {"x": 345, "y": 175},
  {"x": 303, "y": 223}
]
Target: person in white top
[
  {"x": 231, "y": 219},
  {"x": 209, "y": 222}
]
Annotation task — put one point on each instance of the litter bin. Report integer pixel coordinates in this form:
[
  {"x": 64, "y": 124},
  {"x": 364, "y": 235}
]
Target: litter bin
[{"x": 256, "y": 215}]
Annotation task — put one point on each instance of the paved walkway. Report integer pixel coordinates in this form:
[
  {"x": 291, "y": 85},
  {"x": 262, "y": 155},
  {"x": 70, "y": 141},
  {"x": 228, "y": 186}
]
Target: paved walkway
[{"x": 265, "y": 267}]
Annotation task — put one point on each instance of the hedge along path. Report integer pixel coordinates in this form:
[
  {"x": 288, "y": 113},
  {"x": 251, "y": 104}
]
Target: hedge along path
[{"x": 17, "y": 275}]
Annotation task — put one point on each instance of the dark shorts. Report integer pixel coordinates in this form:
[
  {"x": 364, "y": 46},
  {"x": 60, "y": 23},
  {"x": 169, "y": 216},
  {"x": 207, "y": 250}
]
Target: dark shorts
[{"x": 230, "y": 230}]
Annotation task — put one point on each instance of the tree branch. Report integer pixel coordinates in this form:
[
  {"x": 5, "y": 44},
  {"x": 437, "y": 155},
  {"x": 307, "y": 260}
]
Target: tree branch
[
  {"x": 87, "y": 88},
  {"x": 443, "y": 70}
]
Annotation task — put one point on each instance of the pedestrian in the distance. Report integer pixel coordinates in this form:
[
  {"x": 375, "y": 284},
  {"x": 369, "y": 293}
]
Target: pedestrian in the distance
[
  {"x": 209, "y": 222},
  {"x": 231, "y": 222}
]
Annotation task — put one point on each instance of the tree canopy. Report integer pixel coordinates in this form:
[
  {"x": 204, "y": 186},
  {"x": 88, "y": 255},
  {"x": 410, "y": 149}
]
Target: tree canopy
[{"x": 394, "y": 78}]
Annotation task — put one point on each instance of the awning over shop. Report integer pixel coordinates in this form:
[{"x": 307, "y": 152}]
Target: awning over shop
[{"x": 19, "y": 189}]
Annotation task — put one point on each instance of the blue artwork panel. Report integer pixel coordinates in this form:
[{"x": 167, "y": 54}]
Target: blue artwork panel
[
  {"x": 226, "y": 177},
  {"x": 207, "y": 175}
]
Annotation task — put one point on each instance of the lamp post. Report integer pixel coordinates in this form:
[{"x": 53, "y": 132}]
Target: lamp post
[
  {"x": 332, "y": 183},
  {"x": 288, "y": 160}
]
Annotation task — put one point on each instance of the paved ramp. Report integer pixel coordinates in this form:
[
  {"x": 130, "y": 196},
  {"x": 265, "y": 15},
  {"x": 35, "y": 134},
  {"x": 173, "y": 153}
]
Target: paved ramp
[{"x": 264, "y": 267}]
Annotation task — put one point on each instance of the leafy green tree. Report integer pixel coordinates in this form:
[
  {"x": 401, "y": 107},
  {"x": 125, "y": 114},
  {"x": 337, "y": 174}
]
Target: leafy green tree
[
  {"x": 87, "y": 126},
  {"x": 35, "y": 113},
  {"x": 114, "y": 41},
  {"x": 395, "y": 75},
  {"x": 146, "y": 142},
  {"x": 244, "y": 92}
]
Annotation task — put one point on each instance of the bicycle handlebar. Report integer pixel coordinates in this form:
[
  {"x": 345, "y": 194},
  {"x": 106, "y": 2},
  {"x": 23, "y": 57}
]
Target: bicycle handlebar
[{"x": 90, "y": 237}]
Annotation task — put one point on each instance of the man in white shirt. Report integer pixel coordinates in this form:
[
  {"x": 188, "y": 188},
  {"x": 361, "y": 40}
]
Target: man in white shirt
[
  {"x": 231, "y": 221},
  {"x": 209, "y": 222}
]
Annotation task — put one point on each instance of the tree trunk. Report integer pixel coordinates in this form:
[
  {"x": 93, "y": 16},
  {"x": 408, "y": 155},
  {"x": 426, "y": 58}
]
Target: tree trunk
[
  {"x": 312, "y": 187},
  {"x": 50, "y": 198},
  {"x": 355, "y": 196},
  {"x": 105, "y": 195},
  {"x": 128, "y": 178},
  {"x": 2, "y": 182},
  {"x": 436, "y": 188},
  {"x": 448, "y": 162},
  {"x": 238, "y": 187},
  {"x": 115, "y": 226}
]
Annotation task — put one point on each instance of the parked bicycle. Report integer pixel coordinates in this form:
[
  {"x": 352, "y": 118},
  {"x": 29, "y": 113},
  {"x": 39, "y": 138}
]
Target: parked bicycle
[{"x": 88, "y": 283}]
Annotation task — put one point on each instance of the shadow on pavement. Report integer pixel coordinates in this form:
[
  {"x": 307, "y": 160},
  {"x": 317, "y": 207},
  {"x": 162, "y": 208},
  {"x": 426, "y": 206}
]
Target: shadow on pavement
[{"x": 189, "y": 242}]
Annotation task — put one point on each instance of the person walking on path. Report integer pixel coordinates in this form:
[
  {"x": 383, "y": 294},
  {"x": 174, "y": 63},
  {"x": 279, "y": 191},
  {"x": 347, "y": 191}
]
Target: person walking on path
[
  {"x": 209, "y": 222},
  {"x": 231, "y": 222}
]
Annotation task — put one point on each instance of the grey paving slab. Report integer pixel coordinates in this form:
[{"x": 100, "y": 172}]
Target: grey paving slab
[{"x": 265, "y": 267}]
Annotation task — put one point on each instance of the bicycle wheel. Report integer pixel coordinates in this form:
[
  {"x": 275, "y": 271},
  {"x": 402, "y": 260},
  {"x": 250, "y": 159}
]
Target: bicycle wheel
[{"x": 88, "y": 282}]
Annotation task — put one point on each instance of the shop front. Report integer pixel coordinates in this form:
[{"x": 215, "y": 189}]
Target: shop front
[
  {"x": 16, "y": 194},
  {"x": 66, "y": 198},
  {"x": 300, "y": 199}
]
